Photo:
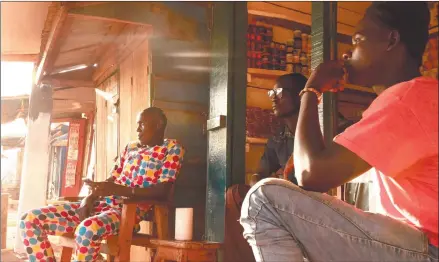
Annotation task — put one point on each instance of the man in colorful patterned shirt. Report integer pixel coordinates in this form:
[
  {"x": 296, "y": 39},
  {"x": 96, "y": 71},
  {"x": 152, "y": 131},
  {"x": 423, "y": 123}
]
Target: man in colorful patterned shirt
[{"x": 146, "y": 168}]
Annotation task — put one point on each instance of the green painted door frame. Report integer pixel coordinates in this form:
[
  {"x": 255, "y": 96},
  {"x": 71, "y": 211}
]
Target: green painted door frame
[
  {"x": 226, "y": 124},
  {"x": 324, "y": 48}
]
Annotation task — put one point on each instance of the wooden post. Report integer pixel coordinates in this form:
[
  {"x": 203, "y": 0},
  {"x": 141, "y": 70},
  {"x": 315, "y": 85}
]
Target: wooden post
[
  {"x": 324, "y": 48},
  {"x": 226, "y": 124},
  {"x": 36, "y": 155},
  {"x": 4, "y": 223}
]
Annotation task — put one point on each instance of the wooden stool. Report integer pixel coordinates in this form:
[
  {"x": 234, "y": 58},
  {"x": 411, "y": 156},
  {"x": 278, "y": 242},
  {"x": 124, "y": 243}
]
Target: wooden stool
[{"x": 185, "y": 251}]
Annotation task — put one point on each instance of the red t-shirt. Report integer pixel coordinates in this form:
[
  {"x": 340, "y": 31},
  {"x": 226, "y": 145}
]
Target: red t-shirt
[{"x": 398, "y": 136}]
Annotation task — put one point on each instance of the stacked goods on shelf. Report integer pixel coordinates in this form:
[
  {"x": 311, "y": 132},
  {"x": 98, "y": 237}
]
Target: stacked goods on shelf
[
  {"x": 434, "y": 7},
  {"x": 298, "y": 53},
  {"x": 259, "y": 37},
  {"x": 261, "y": 123},
  {"x": 430, "y": 60},
  {"x": 264, "y": 53}
]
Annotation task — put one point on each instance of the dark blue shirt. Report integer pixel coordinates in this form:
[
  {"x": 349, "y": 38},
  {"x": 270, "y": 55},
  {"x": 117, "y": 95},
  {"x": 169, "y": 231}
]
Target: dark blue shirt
[{"x": 280, "y": 147}]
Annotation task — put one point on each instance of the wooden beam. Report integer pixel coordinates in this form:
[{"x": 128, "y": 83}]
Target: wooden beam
[
  {"x": 56, "y": 49},
  {"x": 108, "y": 19},
  {"x": 20, "y": 57},
  {"x": 77, "y": 4},
  {"x": 55, "y": 31},
  {"x": 14, "y": 97},
  {"x": 128, "y": 40},
  {"x": 79, "y": 48},
  {"x": 273, "y": 10},
  {"x": 54, "y": 82}
]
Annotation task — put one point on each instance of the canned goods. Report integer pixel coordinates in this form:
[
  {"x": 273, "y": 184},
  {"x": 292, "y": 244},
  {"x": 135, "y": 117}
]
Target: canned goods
[
  {"x": 266, "y": 65},
  {"x": 282, "y": 47},
  {"x": 282, "y": 54},
  {"x": 305, "y": 40},
  {"x": 297, "y": 68},
  {"x": 269, "y": 31},
  {"x": 305, "y": 70},
  {"x": 268, "y": 49},
  {"x": 296, "y": 56},
  {"x": 304, "y": 37},
  {"x": 268, "y": 39},
  {"x": 297, "y": 39},
  {"x": 282, "y": 62},
  {"x": 303, "y": 58},
  {"x": 289, "y": 47},
  {"x": 261, "y": 30},
  {"x": 289, "y": 58},
  {"x": 289, "y": 67},
  {"x": 259, "y": 46}
]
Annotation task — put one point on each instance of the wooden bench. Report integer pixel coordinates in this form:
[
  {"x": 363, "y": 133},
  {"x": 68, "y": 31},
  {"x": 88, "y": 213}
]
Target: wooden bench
[{"x": 185, "y": 251}]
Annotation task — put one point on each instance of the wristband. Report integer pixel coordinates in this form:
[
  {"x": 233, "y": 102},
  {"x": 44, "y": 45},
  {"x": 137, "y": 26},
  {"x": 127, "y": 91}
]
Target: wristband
[{"x": 309, "y": 89}]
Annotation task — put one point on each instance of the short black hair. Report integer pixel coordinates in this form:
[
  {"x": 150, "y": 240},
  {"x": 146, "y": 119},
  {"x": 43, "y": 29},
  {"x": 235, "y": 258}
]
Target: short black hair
[
  {"x": 157, "y": 114},
  {"x": 293, "y": 82},
  {"x": 410, "y": 19}
]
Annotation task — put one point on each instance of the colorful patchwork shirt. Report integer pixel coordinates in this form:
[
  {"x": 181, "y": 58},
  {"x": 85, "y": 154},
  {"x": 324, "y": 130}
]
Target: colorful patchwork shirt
[{"x": 142, "y": 166}]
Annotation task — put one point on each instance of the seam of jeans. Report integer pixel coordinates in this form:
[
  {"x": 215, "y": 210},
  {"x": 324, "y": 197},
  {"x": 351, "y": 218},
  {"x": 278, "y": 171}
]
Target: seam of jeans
[
  {"x": 301, "y": 246},
  {"x": 264, "y": 203},
  {"x": 355, "y": 237},
  {"x": 253, "y": 218},
  {"x": 303, "y": 192}
]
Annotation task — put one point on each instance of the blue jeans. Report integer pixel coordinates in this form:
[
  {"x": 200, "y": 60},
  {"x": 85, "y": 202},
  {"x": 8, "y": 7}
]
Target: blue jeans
[{"x": 283, "y": 222}]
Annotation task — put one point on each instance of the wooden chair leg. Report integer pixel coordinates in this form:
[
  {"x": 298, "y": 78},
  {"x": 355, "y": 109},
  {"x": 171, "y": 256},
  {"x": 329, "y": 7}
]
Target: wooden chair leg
[
  {"x": 161, "y": 217},
  {"x": 66, "y": 254},
  {"x": 126, "y": 232}
]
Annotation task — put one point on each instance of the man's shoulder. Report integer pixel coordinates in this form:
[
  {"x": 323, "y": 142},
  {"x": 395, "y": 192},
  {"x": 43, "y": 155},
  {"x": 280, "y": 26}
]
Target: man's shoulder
[
  {"x": 132, "y": 145},
  {"x": 413, "y": 95},
  {"x": 171, "y": 142},
  {"x": 414, "y": 91},
  {"x": 174, "y": 144}
]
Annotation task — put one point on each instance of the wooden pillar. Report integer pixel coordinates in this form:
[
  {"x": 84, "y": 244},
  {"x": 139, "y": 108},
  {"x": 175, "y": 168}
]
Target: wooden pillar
[
  {"x": 226, "y": 124},
  {"x": 324, "y": 48},
  {"x": 4, "y": 219},
  {"x": 36, "y": 155},
  {"x": 20, "y": 155}
]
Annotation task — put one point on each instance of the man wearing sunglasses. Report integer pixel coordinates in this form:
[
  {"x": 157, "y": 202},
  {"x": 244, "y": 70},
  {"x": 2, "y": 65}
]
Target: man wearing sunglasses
[{"x": 286, "y": 104}]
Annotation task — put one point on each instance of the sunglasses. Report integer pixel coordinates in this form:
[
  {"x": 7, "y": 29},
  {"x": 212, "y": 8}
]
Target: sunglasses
[{"x": 275, "y": 92}]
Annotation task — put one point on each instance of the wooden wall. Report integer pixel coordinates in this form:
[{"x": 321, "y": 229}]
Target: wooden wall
[
  {"x": 134, "y": 91},
  {"x": 107, "y": 127},
  {"x": 124, "y": 94}
]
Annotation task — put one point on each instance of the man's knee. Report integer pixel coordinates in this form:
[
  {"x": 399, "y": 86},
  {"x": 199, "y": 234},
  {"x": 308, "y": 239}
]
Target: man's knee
[
  {"x": 269, "y": 191},
  {"x": 89, "y": 231},
  {"x": 267, "y": 186}
]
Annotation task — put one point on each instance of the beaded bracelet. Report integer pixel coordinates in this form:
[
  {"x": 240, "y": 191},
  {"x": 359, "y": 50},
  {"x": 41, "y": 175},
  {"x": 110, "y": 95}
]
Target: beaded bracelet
[{"x": 308, "y": 89}]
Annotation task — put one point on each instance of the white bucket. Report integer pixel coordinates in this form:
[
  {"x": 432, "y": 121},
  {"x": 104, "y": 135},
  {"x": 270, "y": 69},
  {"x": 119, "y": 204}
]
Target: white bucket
[{"x": 184, "y": 223}]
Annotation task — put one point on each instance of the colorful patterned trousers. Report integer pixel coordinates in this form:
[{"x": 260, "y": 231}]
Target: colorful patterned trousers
[{"x": 57, "y": 220}]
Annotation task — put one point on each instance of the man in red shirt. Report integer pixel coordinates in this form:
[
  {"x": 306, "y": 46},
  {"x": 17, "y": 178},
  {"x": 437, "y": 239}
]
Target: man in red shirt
[{"x": 396, "y": 141}]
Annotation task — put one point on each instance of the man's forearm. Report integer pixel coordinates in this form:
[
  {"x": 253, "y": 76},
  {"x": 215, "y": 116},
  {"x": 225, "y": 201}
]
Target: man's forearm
[{"x": 308, "y": 142}]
